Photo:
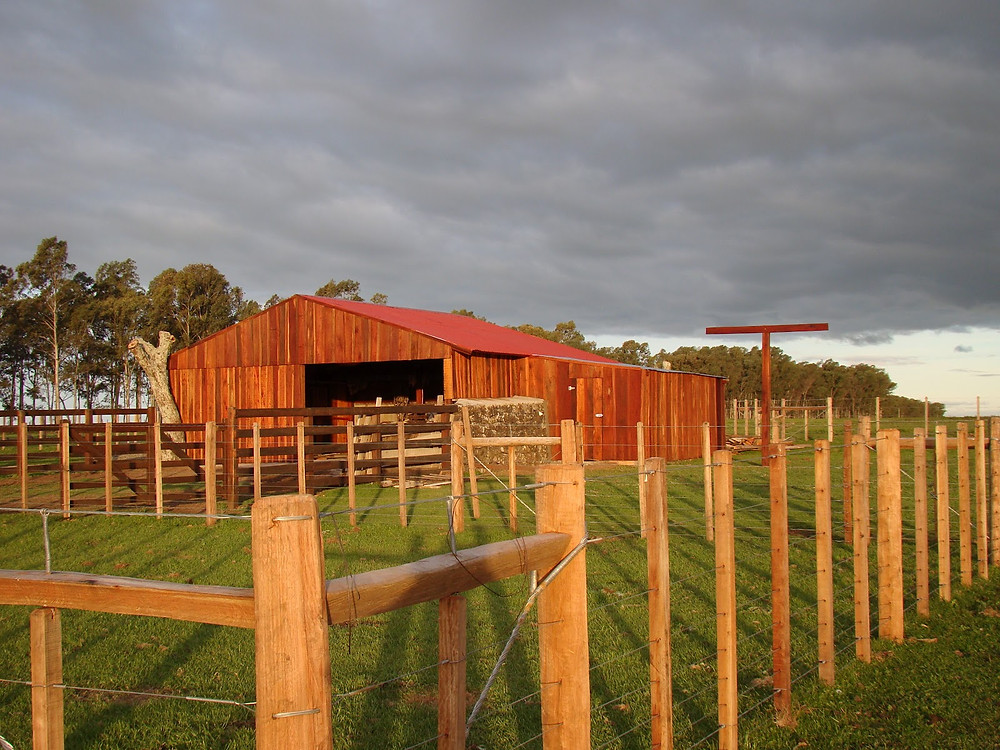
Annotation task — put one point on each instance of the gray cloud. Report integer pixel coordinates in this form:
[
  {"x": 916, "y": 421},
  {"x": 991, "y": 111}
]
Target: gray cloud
[{"x": 653, "y": 168}]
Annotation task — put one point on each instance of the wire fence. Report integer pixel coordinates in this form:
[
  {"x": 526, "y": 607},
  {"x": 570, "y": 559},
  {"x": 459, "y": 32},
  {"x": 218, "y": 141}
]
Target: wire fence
[{"x": 129, "y": 680}]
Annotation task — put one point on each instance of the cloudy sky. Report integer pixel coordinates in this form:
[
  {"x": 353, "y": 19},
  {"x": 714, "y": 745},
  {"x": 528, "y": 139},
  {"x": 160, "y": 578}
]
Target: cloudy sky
[{"x": 646, "y": 169}]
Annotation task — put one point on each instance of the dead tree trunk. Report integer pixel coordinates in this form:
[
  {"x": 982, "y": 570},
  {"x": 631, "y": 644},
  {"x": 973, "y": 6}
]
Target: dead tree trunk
[{"x": 153, "y": 361}]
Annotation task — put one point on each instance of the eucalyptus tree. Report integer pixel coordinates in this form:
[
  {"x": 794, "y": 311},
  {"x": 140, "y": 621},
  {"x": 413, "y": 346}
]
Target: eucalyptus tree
[
  {"x": 46, "y": 285},
  {"x": 191, "y": 303}
]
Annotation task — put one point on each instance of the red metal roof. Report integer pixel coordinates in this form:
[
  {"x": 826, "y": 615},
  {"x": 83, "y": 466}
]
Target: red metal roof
[{"x": 463, "y": 332}]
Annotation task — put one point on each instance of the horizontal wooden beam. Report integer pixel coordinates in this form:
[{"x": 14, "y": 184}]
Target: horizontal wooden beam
[
  {"x": 436, "y": 577},
  {"x": 215, "y": 605},
  {"x": 790, "y": 328},
  {"x": 482, "y": 442},
  {"x": 348, "y": 598}
]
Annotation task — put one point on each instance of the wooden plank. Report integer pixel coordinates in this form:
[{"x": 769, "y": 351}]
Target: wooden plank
[
  {"x": 211, "y": 468},
  {"x": 46, "y": 680},
  {"x": 215, "y": 605},
  {"x": 401, "y": 470},
  {"x": 293, "y": 707},
  {"x": 64, "y": 481},
  {"x": 352, "y": 479},
  {"x": 108, "y": 462},
  {"x": 22, "y": 460}
]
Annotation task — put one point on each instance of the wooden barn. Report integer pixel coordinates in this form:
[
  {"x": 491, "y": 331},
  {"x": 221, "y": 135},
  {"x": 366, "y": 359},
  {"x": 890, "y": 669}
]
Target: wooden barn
[{"x": 317, "y": 352}]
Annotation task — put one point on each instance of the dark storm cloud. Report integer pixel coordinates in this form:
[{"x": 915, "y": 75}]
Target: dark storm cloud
[{"x": 639, "y": 168}]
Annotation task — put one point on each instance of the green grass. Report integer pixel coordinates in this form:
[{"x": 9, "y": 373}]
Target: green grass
[{"x": 384, "y": 678}]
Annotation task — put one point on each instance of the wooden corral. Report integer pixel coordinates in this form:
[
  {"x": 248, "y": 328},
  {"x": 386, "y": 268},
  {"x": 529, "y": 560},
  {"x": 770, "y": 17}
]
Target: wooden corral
[{"x": 318, "y": 352}]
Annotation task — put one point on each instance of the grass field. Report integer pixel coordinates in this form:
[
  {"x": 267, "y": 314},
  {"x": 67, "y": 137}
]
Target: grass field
[{"x": 384, "y": 674}]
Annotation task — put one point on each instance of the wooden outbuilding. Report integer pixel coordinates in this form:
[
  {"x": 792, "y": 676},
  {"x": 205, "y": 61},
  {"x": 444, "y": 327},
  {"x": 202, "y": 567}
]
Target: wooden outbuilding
[{"x": 317, "y": 352}]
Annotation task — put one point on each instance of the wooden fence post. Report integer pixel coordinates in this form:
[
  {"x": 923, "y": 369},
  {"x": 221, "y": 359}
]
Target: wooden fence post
[
  {"x": 290, "y": 621},
  {"x": 920, "y": 526},
  {"x": 706, "y": 458},
  {"x": 964, "y": 505},
  {"x": 829, "y": 419},
  {"x": 995, "y": 488},
  {"x": 451, "y": 672},
  {"x": 300, "y": 456},
  {"x": 352, "y": 480},
  {"x": 471, "y": 460},
  {"x": 64, "y": 480},
  {"x": 568, "y": 441},
  {"x": 848, "y": 484},
  {"x": 982, "y": 517},
  {"x": 640, "y": 463},
  {"x": 257, "y": 479},
  {"x": 232, "y": 461},
  {"x": 109, "y": 457},
  {"x": 562, "y": 615},
  {"x": 457, "y": 478},
  {"x": 725, "y": 599},
  {"x": 890, "y": 536},
  {"x": 46, "y": 680},
  {"x": 401, "y": 467},
  {"x": 824, "y": 563},
  {"x": 658, "y": 570},
  {"x": 22, "y": 458},
  {"x": 211, "y": 473},
  {"x": 780, "y": 598},
  {"x": 860, "y": 503},
  {"x": 943, "y": 511},
  {"x": 512, "y": 483},
  {"x": 158, "y": 464}
]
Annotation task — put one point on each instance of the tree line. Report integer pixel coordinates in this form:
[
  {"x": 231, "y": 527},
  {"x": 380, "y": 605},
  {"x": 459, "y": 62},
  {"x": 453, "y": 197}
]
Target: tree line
[{"x": 64, "y": 337}]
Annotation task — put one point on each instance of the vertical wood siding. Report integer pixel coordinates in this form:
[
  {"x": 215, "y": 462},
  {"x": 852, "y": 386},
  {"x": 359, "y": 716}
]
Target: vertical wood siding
[{"x": 261, "y": 362}]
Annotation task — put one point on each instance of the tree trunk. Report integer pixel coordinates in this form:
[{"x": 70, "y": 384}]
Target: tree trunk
[{"x": 153, "y": 361}]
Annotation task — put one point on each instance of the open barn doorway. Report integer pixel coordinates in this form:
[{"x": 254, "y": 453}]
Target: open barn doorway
[{"x": 418, "y": 381}]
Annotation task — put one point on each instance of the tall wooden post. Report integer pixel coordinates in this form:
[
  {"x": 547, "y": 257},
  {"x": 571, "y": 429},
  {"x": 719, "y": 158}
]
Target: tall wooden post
[
  {"x": 982, "y": 517},
  {"x": 211, "y": 473},
  {"x": 943, "y": 511},
  {"x": 457, "y": 478},
  {"x": 706, "y": 457},
  {"x": 562, "y": 615},
  {"x": 109, "y": 457},
  {"x": 290, "y": 625},
  {"x": 569, "y": 444},
  {"x": 781, "y": 629},
  {"x": 46, "y": 680},
  {"x": 890, "y": 537},
  {"x": 471, "y": 459},
  {"x": 920, "y": 525},
  {"x": 848, "y": 483},
  {"x": 512, "y": 483},
  {"x": 64, "y": 480},
  {"x": 352, "y": 475},
  {"x": 824, "y": 563},
  {"x": 451, "y": 672},
  {"x": 640, "y": 450},
  {"x": 658, "y": 570},
  {"x": 725, "y": 600},
  {"x": 862, "y": 591},
  {"x": 995, "y": 489},
  {"x": 257, "y": 479},
  {"x": 829, "y": 418},
  {"x": 300, "y": 456},
  {"x": 765, "y": 366},
  {"x": 22, "y": 458},
  {"x": 964, "y": 505},
  {"x": 401, "y": 468}
]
